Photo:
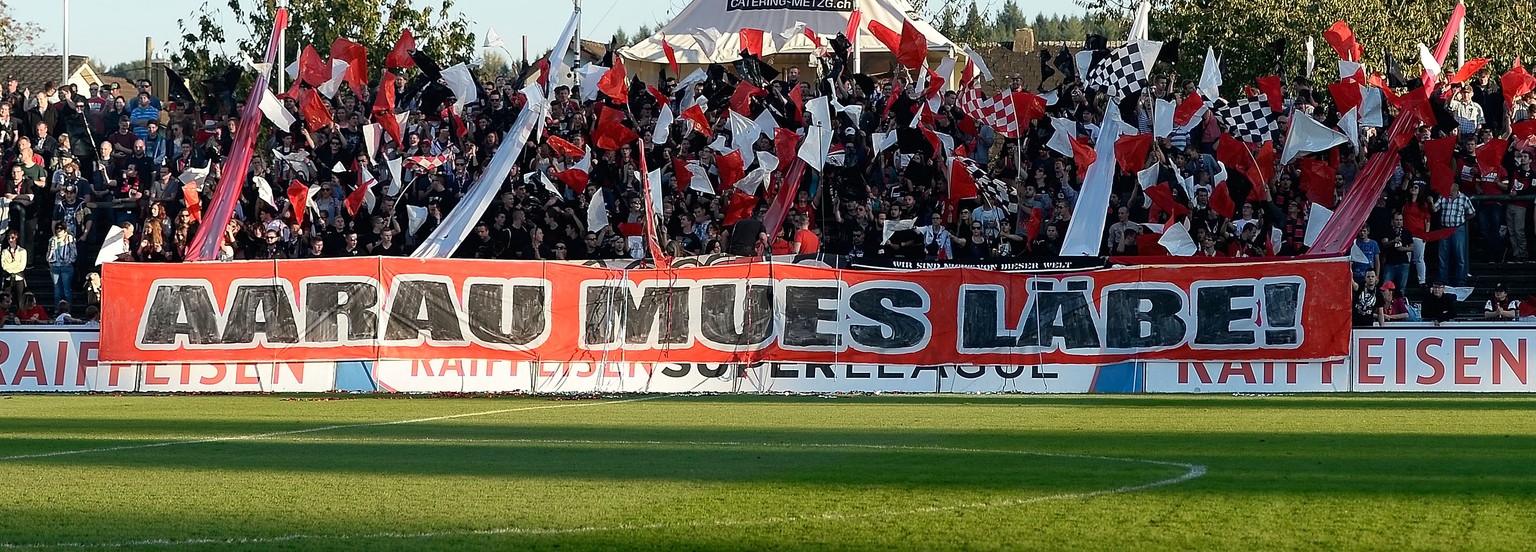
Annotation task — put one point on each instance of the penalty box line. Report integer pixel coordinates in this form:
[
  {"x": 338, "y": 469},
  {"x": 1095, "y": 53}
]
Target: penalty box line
[{"x": 268, "y": 435}]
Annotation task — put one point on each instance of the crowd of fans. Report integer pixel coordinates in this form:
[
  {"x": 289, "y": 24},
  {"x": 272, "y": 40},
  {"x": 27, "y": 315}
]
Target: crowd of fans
[{"x": 79, "y": 162}]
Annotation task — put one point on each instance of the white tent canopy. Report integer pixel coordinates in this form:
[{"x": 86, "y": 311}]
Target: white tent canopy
[{"x": 728, "y": 17}]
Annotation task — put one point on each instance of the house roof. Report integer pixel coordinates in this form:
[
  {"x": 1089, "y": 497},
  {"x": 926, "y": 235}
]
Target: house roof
[{"x": 35, "y": 71}]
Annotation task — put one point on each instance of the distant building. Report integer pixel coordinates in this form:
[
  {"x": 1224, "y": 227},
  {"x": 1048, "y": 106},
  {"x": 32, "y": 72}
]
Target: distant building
[{"x": 34, "y": 72}]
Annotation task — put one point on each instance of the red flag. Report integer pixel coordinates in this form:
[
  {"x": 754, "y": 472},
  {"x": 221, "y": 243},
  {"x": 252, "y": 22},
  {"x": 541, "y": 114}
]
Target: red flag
[
  {"x": 695, "y": 115},
  {"x": 298, "y": 197},
  {"x": 681, "y": 176},
  {"x": 1439, "y": 155},
  {"x": 1147, "y": 245},
  {"x": 355, "y": 201},
  {"x": 384, "y": 108},
  {"x": 356, "y": 57},
  {"x": 1417, "y": 104},
  {"x": 1264, "y": 162},
  {"x": 1346, "y": 95},
  {"x": 1317, "y": 178},
  {"x": 1221, "y": 200},
  {"x": 785, "y": 144},
  {"x": 317, "y": 114},
  {"x": 1342, "y": 39},
  {"x": 797, "y": 99},
  {"x": 961, "y": 184},
  {"x": 666, "y": 48},
  {"x": 1516, "y": 82},
  {"x": 1528, "y": 307},
  {"x": 400, "y": 57},
  {"x": 312, "y": 70},
  {"x": 1274, "y": 93},
  {"x": 1471, "y": 67},
  {"x": 852, "y": 32},
  {"x": 1523, "y": 130},
  {"x": 1162, "y": 197},
  {"x": 656, "y": 94},
  {"x": 741, "y": 99},
  {"x": 564, "y": 147},
  {"x": 1083, "y": 156},
  {"x": 810, "y": 34},
  {"x": 611, "y": 134},
  {"x": 741, "y": 206},
  {"x": 1490, "y": 156},
  {"x": 1032, "y": 226},
  {"x": 1131, "y": 152},
  {"x": 578, "y": 175},
  {"x": 752, "y": 41},
  {"x": 194, "y": 200},
  {"x": 732, "y": 169},
  {"x": 615, "y": 83},
  {"x": 891, "y": 39},
  {"x": 1187, "y": 109},
  {"x": 914, "y": 46},
  {"x": 1436, "y": 235},
  {"x": 1237, "y": 157}
]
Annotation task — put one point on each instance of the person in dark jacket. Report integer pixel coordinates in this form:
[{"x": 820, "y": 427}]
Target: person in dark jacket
[{"x": 1439, "y": 307}]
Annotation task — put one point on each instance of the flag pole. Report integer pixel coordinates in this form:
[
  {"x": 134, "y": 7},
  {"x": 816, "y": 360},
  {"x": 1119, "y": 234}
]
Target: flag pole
[
  {"x": 1461, "y": 43},
  {"x": 64, "y": 49}
]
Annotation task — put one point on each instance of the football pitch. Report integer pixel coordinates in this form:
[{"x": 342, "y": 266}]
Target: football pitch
[{"x": 767, "y": 472}]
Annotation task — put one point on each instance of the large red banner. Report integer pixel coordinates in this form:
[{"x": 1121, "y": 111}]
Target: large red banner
[{"x": 394, "y": 308}]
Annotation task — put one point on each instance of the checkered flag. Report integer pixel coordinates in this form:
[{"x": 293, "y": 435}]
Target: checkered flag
[
  {"x": 991, "y": 191},
  {"x": 1249, "y": 119},
  {"x": 1003, "y": 112},
  {"x": 1124, "y": 72}
]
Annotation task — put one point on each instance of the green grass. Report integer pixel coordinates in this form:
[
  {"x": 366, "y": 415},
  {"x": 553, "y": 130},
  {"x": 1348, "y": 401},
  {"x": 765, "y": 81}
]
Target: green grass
[{"x": 787, "y": 473}]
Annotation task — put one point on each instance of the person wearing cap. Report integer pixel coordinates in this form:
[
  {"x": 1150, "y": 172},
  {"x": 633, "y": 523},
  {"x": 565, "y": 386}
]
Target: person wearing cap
[
  {"x": 1439, "y": 306},
  {"x": 1393, "y": 307},
  {"x": 1501, "y": 307},
  {"x": 1368, "y": 300}
]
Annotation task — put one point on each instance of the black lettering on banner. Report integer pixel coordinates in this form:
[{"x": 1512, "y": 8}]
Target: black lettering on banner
[
  {"x": 177, "y": 310},
  {"x": 882, "y": 373},
  {"x": 674, "y": 370},
  {"x": 1068, "y": 315},
  {"x": 1141, "y": 318},
  {"x": 1010, "y": 372},
  {"x": 938, "y": 371},
  {"x": 713, "y": 370},
  {"x": 780, "y": 370},
  {"x": 422, "y": 306},
  {"x": 906, "y": 331},
  {"x": 493, "y": 318},
  {"x": 325, "y": 303},
  {"x": 824, "y": 369},
  {"x": 851, "y": 373},
  {"x": 981, "y": 319},
  {"x": 1282, "y": 309},
  {"x": 720, "y": 311},
  {"x": 1215, "y": 313},
  {"x": 663, "y": 309},
  {"x": 604, "y": 306},
  {"x": 802, "y": 5},
  {"x": 970, "y": 372},
  {"x": 264, "y": 309},
  {"x": 803, "y": 314}
]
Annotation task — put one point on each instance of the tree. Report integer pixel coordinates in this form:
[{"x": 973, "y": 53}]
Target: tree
[
  {"x": 494, "y": 64},
  {"x": 205, "y": 49},
  {"x": 17, "y": 36},
  {"x": 974, "y": 28},
  {"x": 1495, "y": 28},
  {"x": 620, "y": 38},
  {"x": 1010, "y": 18}
]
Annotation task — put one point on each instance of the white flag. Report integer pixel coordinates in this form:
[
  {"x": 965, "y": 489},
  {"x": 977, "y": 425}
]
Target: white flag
[
  {"x": 1051, "y": 97},
  {"x": 1315, "y": 222},
  {"x": 597, "y": 213},
  {"x": 115, "y": 246},
  {"x": 493, "y": 40},
  {"x": 744, "y": 133},
  {"x": 766, "y": 124},
  {"x": 338, "y": 69},
  {"x": 395, "y": 184},
  {"x": 589, "y": 75},
  {"x": 1306, "y": 135},
  {"x": 884, "y": 140},
  {"x": 1350, "y": 124},
  {"x": 414, "y": 218},
  {"x": 698, "y": 180},
  {"x": 814, "y": 149},
  {"x": 653, "y": 185},
  {"x": 1162, "y": 118},
  {"x": 1427, "y": 59},
  {"x": 1311, "y": 57},
  {"x": 195, "y": 174},
  {"x": 372, "y": 132},
  {"x": 663, "y": 130},
  {"x": 1061, "y": 139},
  {"x": 366, "y": 179},
  {"x": 1210, "y": 76},
  {"x": 462, "y": 84},
  {"x": 981, "y": 65},
  {"x": 1147, "y": 178},
  {"x": 1177, "y": 241},
  {"x": 1348, "y": 68},
  {"x": 821, "y": 112},
  {"x": 1084, "y": 64},
  {"x": 264, "y": 191},
  {"x": 893, "y": 226},
  {"x": 275, "y": 112}
]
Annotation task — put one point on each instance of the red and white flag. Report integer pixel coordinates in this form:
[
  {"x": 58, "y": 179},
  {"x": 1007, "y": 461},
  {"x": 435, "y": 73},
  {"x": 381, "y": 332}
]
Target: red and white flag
[
  {"x": 1008, "y": 113},
  {"x": 428, "y": 163}
]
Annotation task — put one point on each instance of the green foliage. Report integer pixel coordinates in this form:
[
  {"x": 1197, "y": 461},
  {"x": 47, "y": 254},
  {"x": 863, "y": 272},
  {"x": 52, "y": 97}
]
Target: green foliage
[
  {"x": 205, "y": 49},
  {"x": 17, "y": 36},
  {"x": 1241, "y": 33}
]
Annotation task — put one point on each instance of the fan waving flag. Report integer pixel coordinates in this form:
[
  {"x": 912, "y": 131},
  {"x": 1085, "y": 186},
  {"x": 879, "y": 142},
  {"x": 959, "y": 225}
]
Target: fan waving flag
[
  {"x": 1249, "y": 119},
  {"x": 1007, "y": 113},
  {"x": 1125, "y": 71}
]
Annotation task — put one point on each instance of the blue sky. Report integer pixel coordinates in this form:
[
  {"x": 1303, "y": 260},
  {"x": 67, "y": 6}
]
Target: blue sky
[{"x": 113, "y": 31}]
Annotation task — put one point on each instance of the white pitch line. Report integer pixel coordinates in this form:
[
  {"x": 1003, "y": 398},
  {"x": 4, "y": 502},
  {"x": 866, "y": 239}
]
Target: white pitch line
[
  {"x": 315, "y": 429},
  {"x": 1192, "y": 471}
]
